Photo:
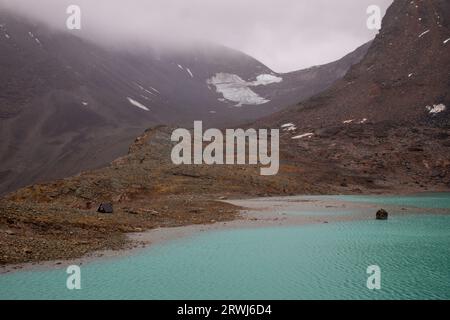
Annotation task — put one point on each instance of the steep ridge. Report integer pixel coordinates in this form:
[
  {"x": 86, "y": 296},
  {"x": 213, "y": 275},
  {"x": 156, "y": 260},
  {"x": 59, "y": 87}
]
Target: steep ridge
[
  {"x": 403, "y": 77},
  {"x": 386, "y": 123}
]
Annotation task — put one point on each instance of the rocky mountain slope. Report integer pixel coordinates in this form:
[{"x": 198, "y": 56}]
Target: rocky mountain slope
[
  {"x": 67, "y": 104},
  {"x": 387, "y": 120},
  {"x": 405, "y": 76}
]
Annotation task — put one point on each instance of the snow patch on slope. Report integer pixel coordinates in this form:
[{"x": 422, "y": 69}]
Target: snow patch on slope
[
  {"x": 436, "y": 108},
  {"x": 143, "y": 89},
  {"x": 289, "y": 127},
  {"x": 424, "y": 33},
  {"x": 234, "y": 88},
  {"x": 266, "y": 79},
  {"x": 138, "y": 104},
  {"x": 305, "y": 135},
  {"x": 34, "y": 37},
  {"x": 363, "y": 121},
  {"x": 154, "y": 90}
]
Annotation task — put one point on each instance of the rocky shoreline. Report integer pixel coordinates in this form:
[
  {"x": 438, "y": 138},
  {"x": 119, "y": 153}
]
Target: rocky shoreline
[{"x": 254, "y": 213}]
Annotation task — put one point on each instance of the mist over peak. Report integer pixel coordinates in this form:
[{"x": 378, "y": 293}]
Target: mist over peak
[{"x": 285, "y": 35}]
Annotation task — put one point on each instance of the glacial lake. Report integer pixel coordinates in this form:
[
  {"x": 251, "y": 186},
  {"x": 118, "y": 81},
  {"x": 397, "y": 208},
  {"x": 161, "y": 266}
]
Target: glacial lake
[{"x": 317, "y": 261}]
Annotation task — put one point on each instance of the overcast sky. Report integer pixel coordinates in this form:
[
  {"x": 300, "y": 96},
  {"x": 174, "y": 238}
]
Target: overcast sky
[{"x": 285, "y": 35}]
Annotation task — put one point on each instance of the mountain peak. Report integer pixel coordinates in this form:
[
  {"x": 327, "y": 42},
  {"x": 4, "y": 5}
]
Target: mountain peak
[{"x": 405, "y": 70}]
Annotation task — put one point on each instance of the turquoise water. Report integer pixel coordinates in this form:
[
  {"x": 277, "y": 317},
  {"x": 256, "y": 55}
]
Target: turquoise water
[
  {"x": 423, "y": 200},
  {"x": 430, "y": 200},
  {"x": 317, "y": 213},
  {"x": 305, "y": 262}
]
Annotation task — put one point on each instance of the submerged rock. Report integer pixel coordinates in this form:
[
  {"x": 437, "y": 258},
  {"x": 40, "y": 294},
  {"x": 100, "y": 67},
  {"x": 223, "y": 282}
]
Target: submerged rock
[{"x": 382, "y": 214}]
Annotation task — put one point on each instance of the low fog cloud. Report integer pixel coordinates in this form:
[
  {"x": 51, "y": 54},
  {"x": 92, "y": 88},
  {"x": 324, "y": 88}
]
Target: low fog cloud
[{"x": 284, "y": 34}]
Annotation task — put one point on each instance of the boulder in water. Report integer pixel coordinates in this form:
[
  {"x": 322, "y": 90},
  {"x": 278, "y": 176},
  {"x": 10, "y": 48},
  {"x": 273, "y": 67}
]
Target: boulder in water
[{"x": 382, "y": 214}]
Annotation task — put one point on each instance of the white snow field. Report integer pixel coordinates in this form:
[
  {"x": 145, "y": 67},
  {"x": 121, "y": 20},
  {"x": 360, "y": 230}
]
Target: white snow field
[{"x": 235, "y": 89}]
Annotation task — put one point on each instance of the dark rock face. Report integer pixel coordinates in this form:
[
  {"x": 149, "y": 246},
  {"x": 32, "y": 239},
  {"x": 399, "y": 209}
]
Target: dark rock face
[
  {"x": 382, "y": 214},
  {"x": 105, "y": 208}
]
